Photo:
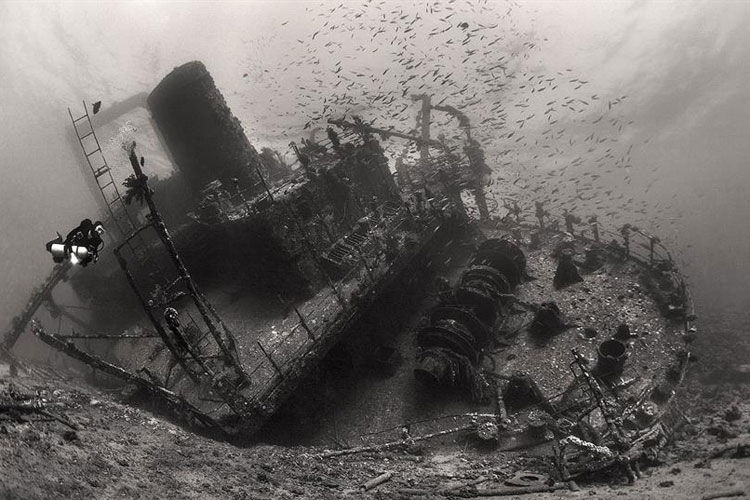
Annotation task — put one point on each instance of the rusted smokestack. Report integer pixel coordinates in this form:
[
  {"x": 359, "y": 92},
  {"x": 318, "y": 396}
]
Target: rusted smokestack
[{"x": 205, "y": 139}]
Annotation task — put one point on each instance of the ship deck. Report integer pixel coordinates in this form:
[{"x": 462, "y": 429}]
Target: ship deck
[
  {"x": 372, "y": 408},
  {"x": 279, "y": 346}
]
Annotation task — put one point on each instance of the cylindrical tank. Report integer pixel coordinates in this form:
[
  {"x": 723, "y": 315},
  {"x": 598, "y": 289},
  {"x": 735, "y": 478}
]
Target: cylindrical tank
[
  {"x": 76, "y": 252},
  {"x": 611, "y": 357},
  {"x": 206, "y": 141}
]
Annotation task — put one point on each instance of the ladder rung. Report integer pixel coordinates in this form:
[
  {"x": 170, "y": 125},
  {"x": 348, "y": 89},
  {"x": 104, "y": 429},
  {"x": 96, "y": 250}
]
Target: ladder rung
[
  {"x": 101, "y": 171},
  {"x": 80, "y": 118},
  {"x": 94, "y": 151},
  {"x": 84, "y": 136},
  {"x": 114, "y": 201},
  {"x": 106, "y": 185}
]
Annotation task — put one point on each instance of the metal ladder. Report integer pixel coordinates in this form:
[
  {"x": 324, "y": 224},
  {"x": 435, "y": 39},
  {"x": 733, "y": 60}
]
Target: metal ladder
[
  {"x": 92, "y": 151},
  {"x": 126, "y": 224},
  {"x": 99, "y": 167}
]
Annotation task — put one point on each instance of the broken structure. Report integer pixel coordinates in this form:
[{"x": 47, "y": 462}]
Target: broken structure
[{"x": 324, "y": 242}]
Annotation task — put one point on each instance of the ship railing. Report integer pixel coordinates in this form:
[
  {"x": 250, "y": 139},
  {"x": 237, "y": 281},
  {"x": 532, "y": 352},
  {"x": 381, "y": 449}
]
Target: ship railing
[
  {"x": 280, "y": 352},
  {"x": 279, "y": 355},
  {"x": 631, "y": 243}
]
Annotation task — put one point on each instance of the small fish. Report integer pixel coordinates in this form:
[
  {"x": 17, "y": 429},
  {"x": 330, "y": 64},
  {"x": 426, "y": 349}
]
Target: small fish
[{"x": 97, "y": 105}]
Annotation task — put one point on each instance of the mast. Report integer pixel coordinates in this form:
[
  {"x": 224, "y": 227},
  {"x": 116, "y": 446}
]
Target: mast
[
  {"x": 424, "y": 147},
  {"x": 226, "y": 342}
]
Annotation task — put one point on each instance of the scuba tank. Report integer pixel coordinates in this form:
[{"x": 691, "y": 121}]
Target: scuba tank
[{"x": 77, "y": 253}]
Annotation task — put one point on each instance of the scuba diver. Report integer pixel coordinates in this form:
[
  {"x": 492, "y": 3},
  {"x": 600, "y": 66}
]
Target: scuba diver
[{"x": 82, "y": 244}]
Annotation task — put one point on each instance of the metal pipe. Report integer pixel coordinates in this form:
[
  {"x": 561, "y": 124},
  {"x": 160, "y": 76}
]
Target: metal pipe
[
  {"x": 263, "y": 350},
  {"x": 178, "y": 402}
]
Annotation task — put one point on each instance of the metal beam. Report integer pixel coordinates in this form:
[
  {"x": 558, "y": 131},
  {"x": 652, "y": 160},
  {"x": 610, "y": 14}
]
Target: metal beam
[
  {"x": 58, "y": 273},
  {"x": 424, "y": 149},
  {"x": 179, "y": 404},
  {"x": 388, "y": 133}
]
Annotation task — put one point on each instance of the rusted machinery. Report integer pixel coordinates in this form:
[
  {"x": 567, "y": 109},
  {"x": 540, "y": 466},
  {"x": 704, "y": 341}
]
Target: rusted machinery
[{"x": 459, "y": 328}]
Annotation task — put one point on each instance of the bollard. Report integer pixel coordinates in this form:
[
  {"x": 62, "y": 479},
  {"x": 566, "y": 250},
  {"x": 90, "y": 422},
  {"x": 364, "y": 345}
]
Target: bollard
[{"x": 611, "y": 357}]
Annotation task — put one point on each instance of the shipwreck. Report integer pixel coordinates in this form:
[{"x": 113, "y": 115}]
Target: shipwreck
[{"x": 571, "y": 341}]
